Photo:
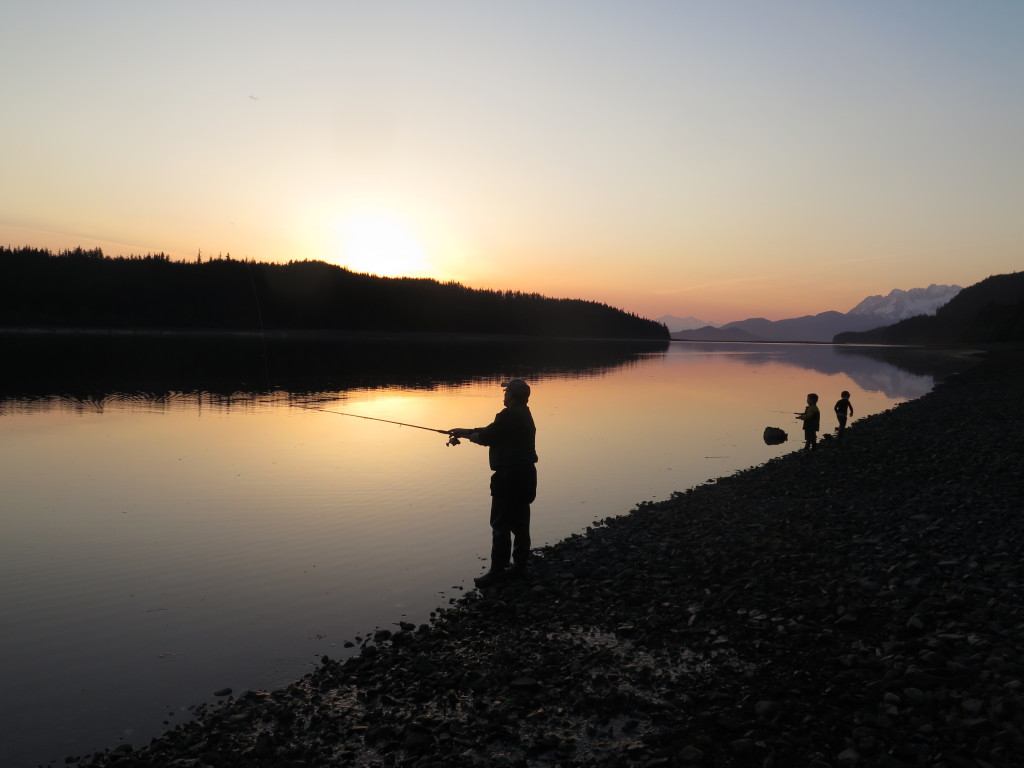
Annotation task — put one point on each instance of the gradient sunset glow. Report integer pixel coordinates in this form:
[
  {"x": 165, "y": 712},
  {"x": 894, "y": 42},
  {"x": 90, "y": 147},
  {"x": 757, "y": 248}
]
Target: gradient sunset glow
[{"x": 721, "y": 160}]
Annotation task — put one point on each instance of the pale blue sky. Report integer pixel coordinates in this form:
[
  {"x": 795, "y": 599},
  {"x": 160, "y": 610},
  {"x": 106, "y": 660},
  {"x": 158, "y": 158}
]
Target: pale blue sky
[{"x": 719, "y": 159}]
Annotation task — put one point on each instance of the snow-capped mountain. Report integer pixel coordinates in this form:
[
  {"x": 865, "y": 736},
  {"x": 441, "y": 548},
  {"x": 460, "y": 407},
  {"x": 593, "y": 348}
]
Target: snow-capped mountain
[
  {"x": 872, "y": 312},
  {"x": 986, "y": 312},
  {"x": 900, "y": 304}
]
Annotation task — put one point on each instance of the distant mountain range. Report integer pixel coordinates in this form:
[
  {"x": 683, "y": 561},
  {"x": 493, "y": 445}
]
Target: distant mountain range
[
  {"x": 675, "y": 324},
  {"x": 872, "y": 312},
  {"x": 991, "y": 311}
]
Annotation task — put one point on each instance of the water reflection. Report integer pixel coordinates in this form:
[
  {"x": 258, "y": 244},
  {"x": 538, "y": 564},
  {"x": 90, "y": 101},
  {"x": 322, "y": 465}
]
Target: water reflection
[
  {"x": 148, "y": 401},
  {"x": 163, "y": 542},
  {"x": 93, "y": 365},
  {"x": 903, "y": 373},
  {"x": 87, "y": 372}
]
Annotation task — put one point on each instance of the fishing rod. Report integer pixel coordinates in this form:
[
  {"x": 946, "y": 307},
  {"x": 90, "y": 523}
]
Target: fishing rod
[{"x": 452, "y": 440}]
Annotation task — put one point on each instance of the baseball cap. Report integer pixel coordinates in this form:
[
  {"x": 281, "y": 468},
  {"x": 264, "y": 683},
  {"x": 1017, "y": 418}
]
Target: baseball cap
[{"x": 517, "y": 385}]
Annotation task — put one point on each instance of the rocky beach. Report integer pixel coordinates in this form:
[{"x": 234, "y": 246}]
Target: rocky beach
[{"x": 858, "y": 605}]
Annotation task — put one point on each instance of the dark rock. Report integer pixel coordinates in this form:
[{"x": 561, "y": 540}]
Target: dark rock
[{"x": 690, "y": 755}]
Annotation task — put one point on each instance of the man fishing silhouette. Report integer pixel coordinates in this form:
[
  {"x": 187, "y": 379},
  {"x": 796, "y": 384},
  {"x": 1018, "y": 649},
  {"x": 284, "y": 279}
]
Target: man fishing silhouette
[{"x": 512, "y": 456}]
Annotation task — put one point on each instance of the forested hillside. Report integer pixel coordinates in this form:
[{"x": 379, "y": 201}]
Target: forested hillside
[
  {"x": 86, "y": 289},
  {"x": 988, "y": 312}
]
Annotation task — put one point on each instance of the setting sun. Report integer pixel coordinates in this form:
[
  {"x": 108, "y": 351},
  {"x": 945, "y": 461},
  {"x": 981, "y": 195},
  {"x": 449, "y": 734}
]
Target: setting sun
[{"x": 380, "y": 242}]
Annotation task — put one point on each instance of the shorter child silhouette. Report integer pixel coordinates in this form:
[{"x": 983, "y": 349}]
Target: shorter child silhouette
[{"x": 811, "y": 418}]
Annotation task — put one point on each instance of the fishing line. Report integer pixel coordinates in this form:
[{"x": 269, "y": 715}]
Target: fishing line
[{"x": 451, "y": 440}]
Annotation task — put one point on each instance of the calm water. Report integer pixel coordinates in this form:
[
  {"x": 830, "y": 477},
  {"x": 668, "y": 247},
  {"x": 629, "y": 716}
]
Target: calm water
[{"x": 156, "y": 549}]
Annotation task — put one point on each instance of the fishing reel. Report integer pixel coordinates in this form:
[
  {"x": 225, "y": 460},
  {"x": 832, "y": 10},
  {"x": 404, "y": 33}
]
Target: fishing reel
[{"x": 452, "y": 441}]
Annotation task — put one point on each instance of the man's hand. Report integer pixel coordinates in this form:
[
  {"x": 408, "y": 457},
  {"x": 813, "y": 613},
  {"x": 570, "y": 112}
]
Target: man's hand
[{"x": 459, "y": 432}]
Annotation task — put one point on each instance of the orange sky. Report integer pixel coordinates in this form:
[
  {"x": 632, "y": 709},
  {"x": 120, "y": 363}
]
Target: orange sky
[{"x": 722, "y": 160}]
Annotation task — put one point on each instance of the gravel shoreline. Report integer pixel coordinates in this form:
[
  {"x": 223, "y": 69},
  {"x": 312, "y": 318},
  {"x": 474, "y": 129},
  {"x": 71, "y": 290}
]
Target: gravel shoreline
[{"x": 859, "y": 605}]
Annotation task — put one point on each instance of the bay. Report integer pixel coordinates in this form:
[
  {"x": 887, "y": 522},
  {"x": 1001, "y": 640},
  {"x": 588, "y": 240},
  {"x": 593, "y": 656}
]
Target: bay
[{"x": 161, "y": 544}]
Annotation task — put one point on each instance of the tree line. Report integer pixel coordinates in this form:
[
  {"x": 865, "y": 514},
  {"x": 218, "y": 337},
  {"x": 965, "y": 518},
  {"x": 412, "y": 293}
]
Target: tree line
[{"x": 81, "y": 288}]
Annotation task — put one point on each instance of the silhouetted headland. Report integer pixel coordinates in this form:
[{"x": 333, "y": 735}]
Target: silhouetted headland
[
  {"x": 85, "y": 289},
  {"x": 855, "y": 605}
]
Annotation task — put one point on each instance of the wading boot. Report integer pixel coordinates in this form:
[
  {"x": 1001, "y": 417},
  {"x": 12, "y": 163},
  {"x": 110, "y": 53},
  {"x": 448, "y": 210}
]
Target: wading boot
[{"x": 490, "y": 579}]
